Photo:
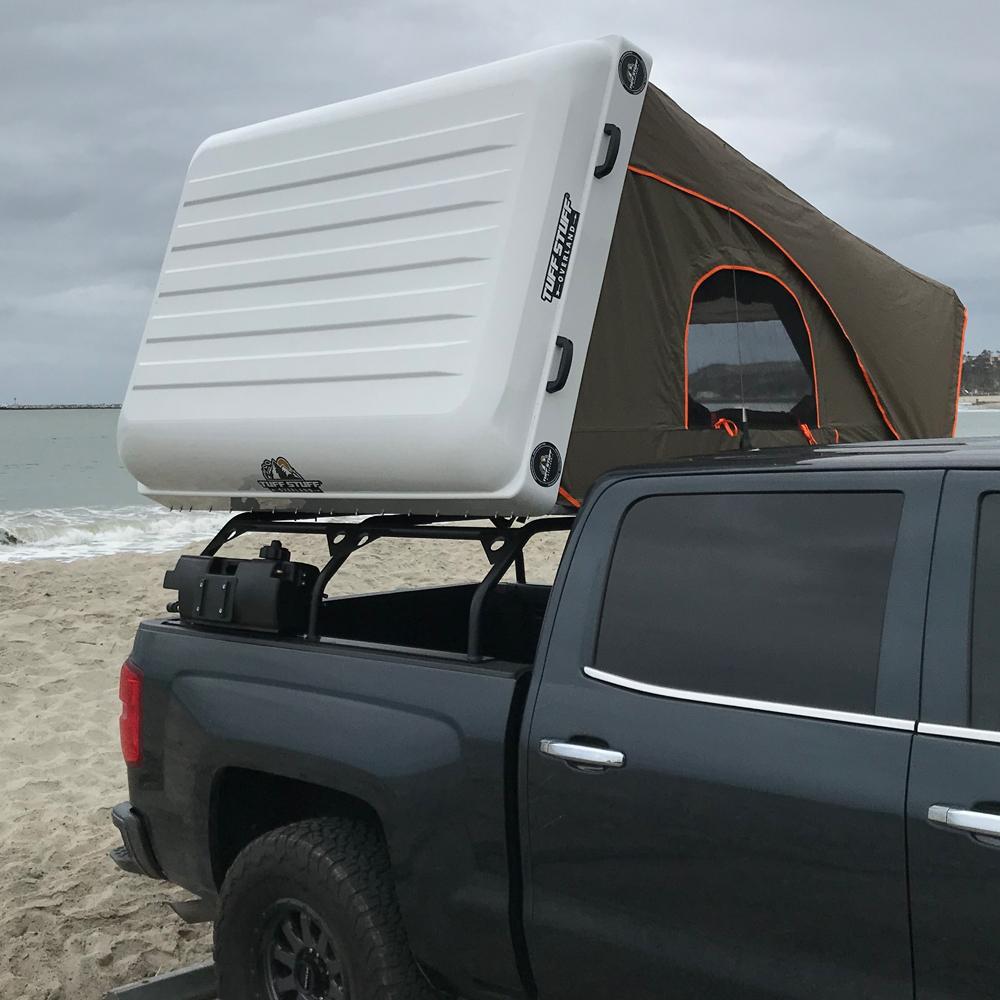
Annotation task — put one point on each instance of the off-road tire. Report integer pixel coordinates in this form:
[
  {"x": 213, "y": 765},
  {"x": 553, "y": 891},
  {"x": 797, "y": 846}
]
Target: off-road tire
[{"x": 339, "y": 870}]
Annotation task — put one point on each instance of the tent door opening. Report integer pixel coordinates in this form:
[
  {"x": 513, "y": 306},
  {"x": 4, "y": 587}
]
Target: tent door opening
[{"x": 748, "y": 354}]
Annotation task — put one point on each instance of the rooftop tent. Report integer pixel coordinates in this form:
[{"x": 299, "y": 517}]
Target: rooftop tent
[
  {"x": 475, "y": 294},
  {"x": 733, "y": 313}
]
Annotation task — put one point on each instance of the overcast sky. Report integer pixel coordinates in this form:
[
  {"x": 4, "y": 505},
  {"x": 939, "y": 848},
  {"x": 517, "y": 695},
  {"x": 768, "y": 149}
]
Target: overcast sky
[{"x": 884, "y": 115}]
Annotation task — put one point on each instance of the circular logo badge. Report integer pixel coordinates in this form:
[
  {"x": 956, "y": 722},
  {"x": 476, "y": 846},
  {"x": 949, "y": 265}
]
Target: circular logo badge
[
  {"x": 632, "y": 72},
  {"x": 546, "y": 464}
]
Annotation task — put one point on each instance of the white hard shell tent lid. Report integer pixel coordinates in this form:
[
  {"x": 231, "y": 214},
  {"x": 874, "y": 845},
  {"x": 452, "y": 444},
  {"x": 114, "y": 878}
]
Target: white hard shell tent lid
[{"x": 385, "y": 304}]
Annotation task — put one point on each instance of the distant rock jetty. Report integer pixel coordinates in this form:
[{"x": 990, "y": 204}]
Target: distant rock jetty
[{"x": 60, "y": 406}]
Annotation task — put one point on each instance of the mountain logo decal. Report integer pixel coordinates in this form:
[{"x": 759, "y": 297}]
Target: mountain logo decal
[
  {"x": 280, "y": 476},
  {"x": 632, "y": 72}
]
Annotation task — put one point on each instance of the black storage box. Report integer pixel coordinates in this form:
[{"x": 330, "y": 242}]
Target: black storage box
[{"x": 269, "y": 594}]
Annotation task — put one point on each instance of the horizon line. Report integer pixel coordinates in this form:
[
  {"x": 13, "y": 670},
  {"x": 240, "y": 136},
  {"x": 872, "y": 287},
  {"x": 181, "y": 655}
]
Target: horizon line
[{"x": 60, "y": 406}]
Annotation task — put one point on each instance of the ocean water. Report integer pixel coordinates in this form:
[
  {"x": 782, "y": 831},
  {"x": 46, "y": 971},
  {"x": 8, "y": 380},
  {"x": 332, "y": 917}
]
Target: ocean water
[
  {"x": 65, "y": 495},
  {"x": 978, "y": 421}
]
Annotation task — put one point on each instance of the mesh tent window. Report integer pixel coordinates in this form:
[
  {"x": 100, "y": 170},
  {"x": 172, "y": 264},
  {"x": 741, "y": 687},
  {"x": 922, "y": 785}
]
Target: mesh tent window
[{"x": 748, "y": 353}]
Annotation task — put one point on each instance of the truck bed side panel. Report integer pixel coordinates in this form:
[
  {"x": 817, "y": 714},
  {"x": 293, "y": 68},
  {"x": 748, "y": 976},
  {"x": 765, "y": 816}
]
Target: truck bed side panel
[{"x": 419, "y": 739}]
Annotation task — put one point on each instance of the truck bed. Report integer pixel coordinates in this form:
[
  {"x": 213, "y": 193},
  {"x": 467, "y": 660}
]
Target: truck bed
[{"x": 437, "y": 618}]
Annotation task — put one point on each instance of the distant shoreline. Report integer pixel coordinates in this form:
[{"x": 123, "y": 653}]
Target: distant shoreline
[
  {"x": 980, "y": 399},
  {"x": 60, "y": 406}
]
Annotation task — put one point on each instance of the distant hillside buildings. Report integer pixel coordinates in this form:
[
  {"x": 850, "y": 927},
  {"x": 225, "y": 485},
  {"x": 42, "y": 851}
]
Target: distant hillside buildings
[{"x": 981, "y": 374}]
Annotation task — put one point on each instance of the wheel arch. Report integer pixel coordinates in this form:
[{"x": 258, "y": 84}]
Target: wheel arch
[{"x": 247, "y": 803}]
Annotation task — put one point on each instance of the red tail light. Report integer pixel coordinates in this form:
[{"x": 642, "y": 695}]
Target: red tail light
[{"x": 130, "y": 721}]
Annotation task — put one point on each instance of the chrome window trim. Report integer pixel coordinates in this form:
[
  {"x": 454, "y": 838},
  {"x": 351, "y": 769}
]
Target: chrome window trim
[
  {"x": 958, "y": 732},
  {"x": 773, "y": 707}
]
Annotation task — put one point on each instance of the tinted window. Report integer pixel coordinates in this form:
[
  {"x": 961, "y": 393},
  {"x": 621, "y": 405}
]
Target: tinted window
[
  {"x": 778, "y": 597},
  {"x": 985, "y": 712},
  {"x": 747, "y": 346}
]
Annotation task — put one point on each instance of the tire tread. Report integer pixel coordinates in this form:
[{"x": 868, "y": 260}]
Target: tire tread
[{"x": 349, "y": 860}]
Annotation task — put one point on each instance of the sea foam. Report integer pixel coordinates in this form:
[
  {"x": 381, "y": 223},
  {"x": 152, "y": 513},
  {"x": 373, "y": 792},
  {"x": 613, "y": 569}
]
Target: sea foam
[{"x": 80, "y": 532}]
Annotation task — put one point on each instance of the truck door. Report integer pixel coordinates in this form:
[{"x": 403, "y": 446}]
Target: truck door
[
  {"x": 954, "y": 800},
  {"x": 716, "y": 762}
]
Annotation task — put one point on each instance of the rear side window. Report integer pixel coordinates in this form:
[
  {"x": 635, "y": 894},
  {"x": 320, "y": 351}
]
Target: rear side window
[
  {"x": 985, "y": 708},
  {"x": 777, "y": 597}
]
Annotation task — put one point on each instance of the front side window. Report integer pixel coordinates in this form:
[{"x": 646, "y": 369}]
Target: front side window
[
  {"x": 985, "y": 707},
  {"x": 749, "y": 355},
  {"x": 771, "y": 596}
]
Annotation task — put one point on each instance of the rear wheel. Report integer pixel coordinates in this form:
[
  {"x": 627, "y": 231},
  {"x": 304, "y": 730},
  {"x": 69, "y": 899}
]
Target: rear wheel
[{"x": 309, "y": 912}]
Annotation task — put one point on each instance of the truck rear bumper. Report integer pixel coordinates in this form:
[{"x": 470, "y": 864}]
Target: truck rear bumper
[{"x": 136, "y": 852}]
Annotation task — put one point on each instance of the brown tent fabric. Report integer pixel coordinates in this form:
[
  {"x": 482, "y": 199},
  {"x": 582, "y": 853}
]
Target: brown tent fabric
[{"x": 886, "y": 341}]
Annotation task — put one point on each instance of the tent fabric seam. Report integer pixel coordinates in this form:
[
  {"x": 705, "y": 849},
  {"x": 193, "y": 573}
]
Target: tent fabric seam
[
  {"x": 642, "y": 172},
  {"x": 961, "y": 362},
  {"x": 795, "y": 299}
]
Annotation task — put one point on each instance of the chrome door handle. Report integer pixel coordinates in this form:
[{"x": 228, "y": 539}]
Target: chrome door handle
[
  {"x": 581, "y": 753},
  {"x": 965, "y": 820}
]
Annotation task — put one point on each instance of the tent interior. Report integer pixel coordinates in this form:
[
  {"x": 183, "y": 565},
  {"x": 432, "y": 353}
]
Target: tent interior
[{"x": 734, "y": 314}]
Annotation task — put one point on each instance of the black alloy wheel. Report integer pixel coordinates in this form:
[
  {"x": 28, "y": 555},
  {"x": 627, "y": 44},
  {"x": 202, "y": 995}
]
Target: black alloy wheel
[{"x": 299, "y": 957}]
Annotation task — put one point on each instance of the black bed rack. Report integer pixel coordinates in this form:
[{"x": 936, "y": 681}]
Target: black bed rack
[{"x": 503, "y": 541}]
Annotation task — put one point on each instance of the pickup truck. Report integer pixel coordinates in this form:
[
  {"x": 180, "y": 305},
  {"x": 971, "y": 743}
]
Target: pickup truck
[{"x": 746, "y": 745}]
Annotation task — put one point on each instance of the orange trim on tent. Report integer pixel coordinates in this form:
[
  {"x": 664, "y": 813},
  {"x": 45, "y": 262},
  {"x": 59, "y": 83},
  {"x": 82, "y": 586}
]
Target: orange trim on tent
[
  {"x": 961, "y": 362},
  {"x": 807, "y": 434},
  {"x": 765, "y": 274},
  {"x": 729, "y": 426},
  {"x": 571, "y": 500},
  {"x": 726, "y": 208}
]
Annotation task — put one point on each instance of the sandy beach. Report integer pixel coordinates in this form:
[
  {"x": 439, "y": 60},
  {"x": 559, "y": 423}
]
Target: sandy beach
[{"x": 71, "y": 925}]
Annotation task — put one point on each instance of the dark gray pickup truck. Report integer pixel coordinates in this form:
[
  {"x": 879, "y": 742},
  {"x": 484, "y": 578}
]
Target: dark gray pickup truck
[{"x": 747, "y": 745}]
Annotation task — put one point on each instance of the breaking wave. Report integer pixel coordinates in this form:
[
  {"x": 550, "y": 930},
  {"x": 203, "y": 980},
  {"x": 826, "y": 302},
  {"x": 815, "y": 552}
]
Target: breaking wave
[{"x": 79, "y": 532}]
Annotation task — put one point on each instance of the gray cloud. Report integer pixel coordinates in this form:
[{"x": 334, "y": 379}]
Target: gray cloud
[{"x": 884, "y": 115}]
